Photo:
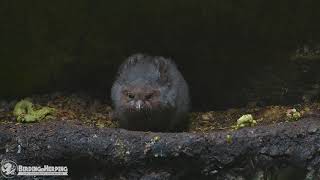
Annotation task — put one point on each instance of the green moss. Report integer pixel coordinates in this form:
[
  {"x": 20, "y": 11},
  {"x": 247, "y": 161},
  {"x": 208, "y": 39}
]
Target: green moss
[
  {"x": 245, "y": 121},
  {"x": 293, "y": 115},
  {"x": 229, "y": 139},
  {"x": 24, "y": 112}
]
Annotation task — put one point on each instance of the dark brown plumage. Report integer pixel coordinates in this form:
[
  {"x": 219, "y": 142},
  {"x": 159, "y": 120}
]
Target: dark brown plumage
[{"x": 150, "y": 93}]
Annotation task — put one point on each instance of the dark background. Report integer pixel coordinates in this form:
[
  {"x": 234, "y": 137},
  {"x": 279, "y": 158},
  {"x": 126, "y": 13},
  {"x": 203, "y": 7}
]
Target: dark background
[{"x": 230, "y": 52}]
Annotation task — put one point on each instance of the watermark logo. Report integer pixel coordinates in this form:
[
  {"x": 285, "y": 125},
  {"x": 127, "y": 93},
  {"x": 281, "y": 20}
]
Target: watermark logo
[{"x": 8, "y": 168}]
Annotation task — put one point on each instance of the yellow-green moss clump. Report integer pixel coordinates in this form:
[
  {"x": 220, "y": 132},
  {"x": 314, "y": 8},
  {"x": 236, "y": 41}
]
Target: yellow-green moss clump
[
  {"x": 229, "y": 139},
  {"x": 25, "y": 112},
  {"x": 293, "y": 115},
  {"x": 245, "y": 121}
]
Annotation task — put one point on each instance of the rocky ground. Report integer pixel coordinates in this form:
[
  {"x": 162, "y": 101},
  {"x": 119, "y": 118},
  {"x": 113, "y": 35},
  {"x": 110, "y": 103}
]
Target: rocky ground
[
  {"x": 97, "y": 113},
  {"x": 282, "y": 143}
]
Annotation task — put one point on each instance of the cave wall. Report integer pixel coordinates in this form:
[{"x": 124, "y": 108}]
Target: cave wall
[{"x": 230, "y": 52}]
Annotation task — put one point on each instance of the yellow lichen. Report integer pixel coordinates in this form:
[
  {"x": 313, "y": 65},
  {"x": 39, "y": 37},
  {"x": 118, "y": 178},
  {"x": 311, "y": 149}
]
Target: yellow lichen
[
  {"x": 25, "y": 112},
  {"x": 245, "y": 121},
  {"x": 293, "y": 114},
  {"x": 229, "y": 138},
  {"x": 121, "y": 149}
]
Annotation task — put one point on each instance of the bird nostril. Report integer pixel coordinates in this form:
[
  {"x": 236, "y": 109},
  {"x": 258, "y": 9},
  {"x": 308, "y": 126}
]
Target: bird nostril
[{"x": 139, "y": 105}]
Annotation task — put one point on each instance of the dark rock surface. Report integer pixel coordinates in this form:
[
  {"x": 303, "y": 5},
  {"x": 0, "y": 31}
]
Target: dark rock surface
[{"x": 95, "y": 153}]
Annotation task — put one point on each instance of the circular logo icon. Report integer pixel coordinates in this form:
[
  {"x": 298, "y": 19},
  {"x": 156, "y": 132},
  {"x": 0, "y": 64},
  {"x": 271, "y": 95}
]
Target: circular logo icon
[{"x": 8, "y": 168}]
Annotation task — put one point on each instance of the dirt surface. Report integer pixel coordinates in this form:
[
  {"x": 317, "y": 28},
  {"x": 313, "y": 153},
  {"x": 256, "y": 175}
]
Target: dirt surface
[
  {"x": 95, "y": 112},
  {"x": 83, "y": 136},
  {"x": 74, "y": 107}
]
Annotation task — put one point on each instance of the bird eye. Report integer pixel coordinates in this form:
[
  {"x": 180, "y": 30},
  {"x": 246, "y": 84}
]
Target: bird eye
[
  {"x": 149, "y": 96},
  {"x": 130, "y": 95}
]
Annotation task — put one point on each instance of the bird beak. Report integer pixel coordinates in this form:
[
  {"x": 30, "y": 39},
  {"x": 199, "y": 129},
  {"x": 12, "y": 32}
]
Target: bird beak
[{"x": 139, "y": 104}]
